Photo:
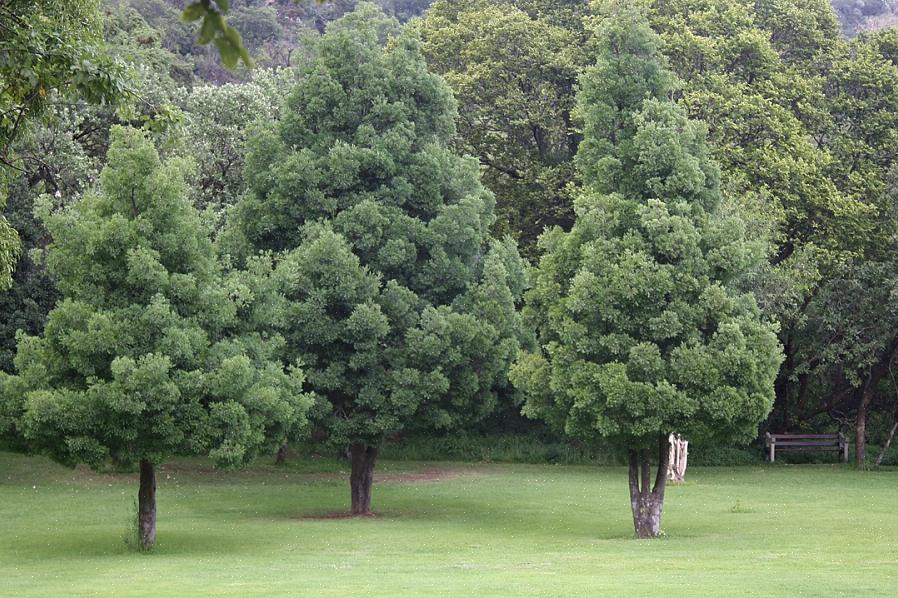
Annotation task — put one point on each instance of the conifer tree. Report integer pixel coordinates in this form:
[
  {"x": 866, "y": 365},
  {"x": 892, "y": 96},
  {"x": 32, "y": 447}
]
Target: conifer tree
[
  {"x": 393, "y": 295},
  {"x": 146, "y": 356},
  {"x": 640, "y": 333}
]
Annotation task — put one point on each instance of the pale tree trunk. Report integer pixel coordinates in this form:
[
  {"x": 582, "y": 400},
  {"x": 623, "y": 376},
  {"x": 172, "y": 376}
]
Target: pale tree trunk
[
  {"x": 679, "y": 452},
  {"x": 888, "y": 443},
  {"x": 146, "y": 506},
  {"x": 860, "y": 428},
  {"x": 647, "y": 502},
  {"x": 361, "y": 478}
]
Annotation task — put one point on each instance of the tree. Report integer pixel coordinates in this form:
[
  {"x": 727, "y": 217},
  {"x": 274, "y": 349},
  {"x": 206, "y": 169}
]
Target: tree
[
  {"x": 513, "y": 76},
  {"x": 146, "y": 356},
  {"x": 640, "y": 334},
  {"x": 391, "y": 291},
  {"x": 61, "y": 154},
  {"x": 762, "y": 108},
  {"x": 217, "y": 123},
  {"x": 839, "y": 347},
  {"x": 47, "y": 48},
  {"x": 853, "y": 340}
]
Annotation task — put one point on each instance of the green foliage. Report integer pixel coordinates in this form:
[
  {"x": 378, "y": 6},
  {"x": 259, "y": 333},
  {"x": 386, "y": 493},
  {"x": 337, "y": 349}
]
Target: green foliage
[
  {"x": 640, "y": 332},
  {"x": 862, "y": 93},
  {"x": 257, "y": 26},
  {"x": 391, "y": 292},
  {"x": 762, "y": 101},
  {"x": 513, "y": 75},
  {"x": 50, "y": 46},
  {"x": 517, "y": 448},
  {"x": 725, "y": 456},
  {"x": 9, "y": 248},
  {"x": 61, "y": 154},
  {"x": 146, "y": 356},
  {"x": 48, "y": 49},
  {"x": 214, "y": 29},
  {"x": 217, "y": 124}
]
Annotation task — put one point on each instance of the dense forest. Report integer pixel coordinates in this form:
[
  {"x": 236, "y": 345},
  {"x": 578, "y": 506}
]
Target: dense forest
[{"x": 434, "y": 221}]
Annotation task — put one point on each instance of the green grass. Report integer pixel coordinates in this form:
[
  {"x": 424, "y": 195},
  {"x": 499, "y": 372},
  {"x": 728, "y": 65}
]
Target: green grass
[{"x": 482, "y": 530}]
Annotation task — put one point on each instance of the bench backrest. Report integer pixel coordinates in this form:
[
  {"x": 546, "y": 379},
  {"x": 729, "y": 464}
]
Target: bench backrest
[
  {"x": 795, "y": 442},
  {"x": 805, "y": 440}
]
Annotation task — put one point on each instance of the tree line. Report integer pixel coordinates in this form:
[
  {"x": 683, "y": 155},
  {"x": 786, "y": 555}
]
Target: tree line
[{"x": 701, "y": 193}]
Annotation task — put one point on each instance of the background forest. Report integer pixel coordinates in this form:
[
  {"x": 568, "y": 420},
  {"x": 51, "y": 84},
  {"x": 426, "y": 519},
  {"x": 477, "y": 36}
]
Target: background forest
[{"x": 800, "y": 99}]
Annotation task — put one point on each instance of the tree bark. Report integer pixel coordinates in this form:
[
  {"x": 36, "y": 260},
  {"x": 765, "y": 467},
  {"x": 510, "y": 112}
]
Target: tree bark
[
  {"x": 647, "y": 502},
  {"x": 146, "y": 506},
  {"x": 281, "y": 456},
  {"x": 860, "y": 434},
  {"x": 679, "y": 452},
  {"x": 362, "y": 477}
]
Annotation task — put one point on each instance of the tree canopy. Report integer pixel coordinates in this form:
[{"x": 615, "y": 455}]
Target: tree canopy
[{"x": 513, "y": 75}]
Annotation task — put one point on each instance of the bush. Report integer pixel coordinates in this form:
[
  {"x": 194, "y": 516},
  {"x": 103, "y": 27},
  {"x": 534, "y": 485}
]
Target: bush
[
  {"x": 890, "y": 459},
  {"x": 723, "y": 456}
]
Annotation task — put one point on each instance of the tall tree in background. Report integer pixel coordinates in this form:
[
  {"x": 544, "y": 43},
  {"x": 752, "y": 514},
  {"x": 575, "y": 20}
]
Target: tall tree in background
[
  {"x": 513, "y": 75},
  {"x": 760, "y": 109},
  {"x": 61, "y": 154},
  {"x": 147, "y": 355},
  {"x": 393, "y": 294},
  {"x": 48, "y": 49},
  {"x": 640, "y": 334}
]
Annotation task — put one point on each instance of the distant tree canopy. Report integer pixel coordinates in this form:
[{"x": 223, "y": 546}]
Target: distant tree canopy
[
  {"x": 514, "y": 77},
  {"x": 393, "y": 294},
  {"x": 49, "y": 49}
]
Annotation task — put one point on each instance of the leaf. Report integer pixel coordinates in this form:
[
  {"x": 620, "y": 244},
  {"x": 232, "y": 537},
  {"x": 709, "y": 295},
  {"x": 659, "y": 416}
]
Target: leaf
[
  {"x": 208, "y": 29},
  {"x": 194, "y": 12},
  {"x": 224, "y": 5},
  {"x": 237, "y": 43},
  {"x": 229, "y": 54}
]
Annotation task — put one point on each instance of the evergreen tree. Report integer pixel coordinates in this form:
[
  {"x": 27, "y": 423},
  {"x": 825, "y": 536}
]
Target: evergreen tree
[
  {"x": 641, "y": 335},
  {"x": 393, "y": 295},
  {"x": 147, "y": 355}
]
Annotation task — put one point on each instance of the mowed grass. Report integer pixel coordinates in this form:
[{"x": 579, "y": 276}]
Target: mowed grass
[{"x": 449, "y": 530}]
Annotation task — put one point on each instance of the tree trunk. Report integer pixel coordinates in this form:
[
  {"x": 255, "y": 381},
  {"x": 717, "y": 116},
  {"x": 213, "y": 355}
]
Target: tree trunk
[
  {"x": 888, "y": 443},
  {"x": 647, "y": 503},
  {"x": 362, "y": 477},
  {"x": 281, "y": 457},
  {"x": 860, "y": 427},
  {"x": 679, "y": 451},
  {"x": 146, "y": 506}
]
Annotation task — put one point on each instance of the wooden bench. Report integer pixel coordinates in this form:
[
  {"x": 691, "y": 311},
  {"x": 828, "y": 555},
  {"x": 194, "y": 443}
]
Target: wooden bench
[{"x": 806, "y": 442}]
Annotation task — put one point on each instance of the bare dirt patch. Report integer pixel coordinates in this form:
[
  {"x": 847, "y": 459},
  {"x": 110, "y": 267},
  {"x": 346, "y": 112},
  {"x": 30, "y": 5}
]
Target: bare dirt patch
[
  {"x": 342, "y": 515},
  {"x": 426, "y": 475}
]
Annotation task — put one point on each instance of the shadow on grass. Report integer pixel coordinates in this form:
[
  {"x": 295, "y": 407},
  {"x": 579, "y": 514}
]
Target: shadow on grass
[{"x": 106, "y": 544}]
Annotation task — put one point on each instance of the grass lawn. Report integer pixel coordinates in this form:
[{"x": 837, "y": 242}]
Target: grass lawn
[{"x": 447, "y": 529}]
